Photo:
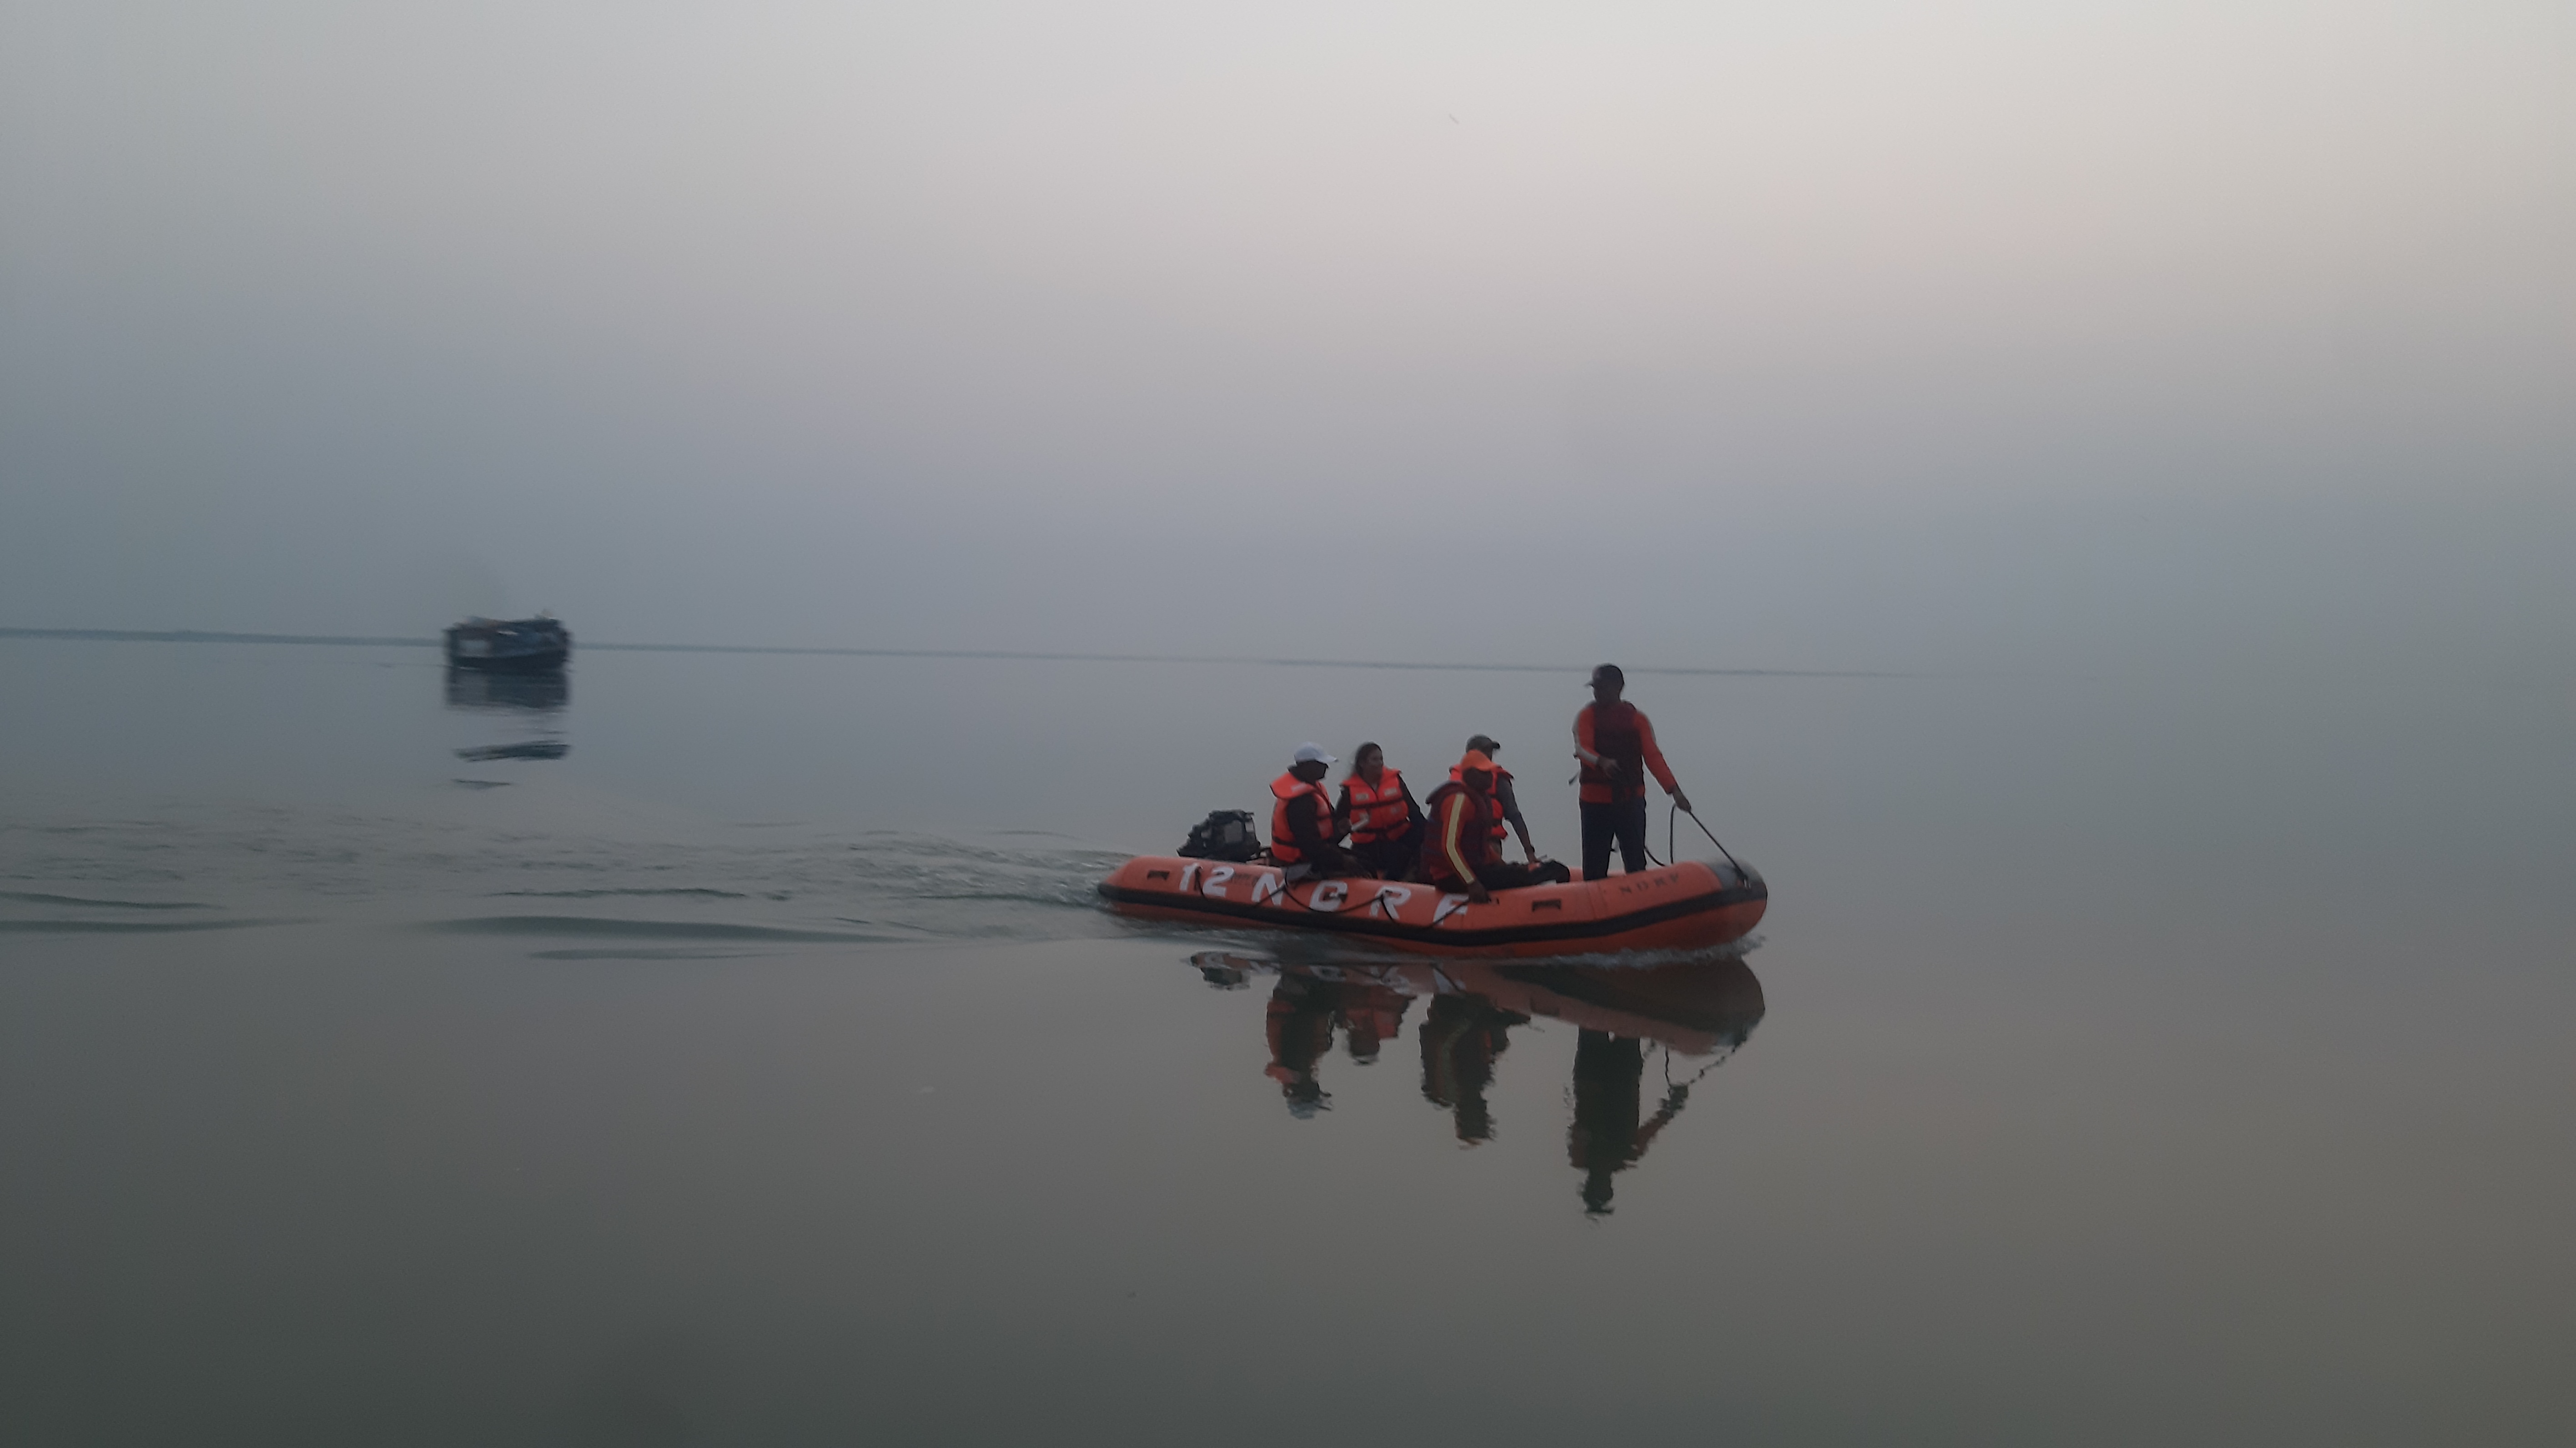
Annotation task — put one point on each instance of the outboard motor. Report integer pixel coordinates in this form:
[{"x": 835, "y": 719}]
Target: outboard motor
[{"x": 1225, "y": 834}]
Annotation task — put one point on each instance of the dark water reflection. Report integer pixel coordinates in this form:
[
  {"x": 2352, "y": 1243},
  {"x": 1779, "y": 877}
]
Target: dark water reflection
[
  {"x": 542, "y": 692},
  {"x": 1697, "y": 1011},
  {"x": 527, "y": 707}
]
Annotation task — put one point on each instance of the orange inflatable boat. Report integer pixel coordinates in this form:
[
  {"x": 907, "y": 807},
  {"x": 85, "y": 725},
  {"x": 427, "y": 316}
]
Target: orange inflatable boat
[{"x": 1682, "y": 906}]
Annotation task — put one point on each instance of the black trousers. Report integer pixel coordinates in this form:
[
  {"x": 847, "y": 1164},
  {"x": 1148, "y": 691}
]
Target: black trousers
[
  {"x": 1392, "y": 856},
  {"x": 1501, "y": 875},
  {"x": 1624, "y": 821},
  {"x": 1504, "y": 875},
  {"x": 1327, "y": 862}
]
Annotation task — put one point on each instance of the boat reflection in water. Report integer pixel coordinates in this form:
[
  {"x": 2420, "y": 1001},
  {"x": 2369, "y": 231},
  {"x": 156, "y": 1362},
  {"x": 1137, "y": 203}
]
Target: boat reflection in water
[
  {"x": 1697, "y": 1010},
  {"x": 525, "y": 709},
  {"x": 485, "y": 689}
]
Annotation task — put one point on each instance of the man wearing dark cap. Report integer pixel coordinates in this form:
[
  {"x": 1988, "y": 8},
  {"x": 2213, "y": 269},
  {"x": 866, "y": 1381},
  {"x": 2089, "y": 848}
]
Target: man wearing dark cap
[
  {"x": 1458, "y": 842},
  {"x": 1506, "y": 802},
  {"x": 1617, "y": 746}
]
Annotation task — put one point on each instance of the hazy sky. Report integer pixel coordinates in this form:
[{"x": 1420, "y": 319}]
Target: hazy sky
[{"x": 1805, "y": 334}]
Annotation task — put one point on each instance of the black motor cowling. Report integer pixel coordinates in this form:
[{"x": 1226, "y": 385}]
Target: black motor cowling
[{"x": 1225, "y": 834}]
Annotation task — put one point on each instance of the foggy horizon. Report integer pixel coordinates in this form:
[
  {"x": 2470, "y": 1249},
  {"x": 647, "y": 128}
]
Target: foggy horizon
[{"x": 1853, "y": 336}]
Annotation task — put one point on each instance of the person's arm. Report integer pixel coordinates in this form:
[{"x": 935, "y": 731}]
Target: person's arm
[
  {"x": 1304, "y": 828},
  {"x": 1342, "y": 810},
  {"x": 1511, "y": 799},
  {"x": 1453, "y": 813},
  {"x": 1412, "y": 806},
  {"x": 1655, "y": 760},
  {"x": 1584, "y": 745}
]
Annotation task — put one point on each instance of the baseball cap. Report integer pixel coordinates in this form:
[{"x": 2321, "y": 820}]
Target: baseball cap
[
  {"x": 1485, "y": 743},
  {"x": 1313, "y": 754}
]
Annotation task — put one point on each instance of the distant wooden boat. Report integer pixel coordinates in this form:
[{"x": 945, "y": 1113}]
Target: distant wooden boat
[{"x": 525, "y": 645}]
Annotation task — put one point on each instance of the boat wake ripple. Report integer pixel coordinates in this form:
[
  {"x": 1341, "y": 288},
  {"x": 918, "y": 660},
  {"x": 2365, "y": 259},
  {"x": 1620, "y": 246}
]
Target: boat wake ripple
[
  {"x": 640, "y": 929},
  {"x": 773, "y": 887}
]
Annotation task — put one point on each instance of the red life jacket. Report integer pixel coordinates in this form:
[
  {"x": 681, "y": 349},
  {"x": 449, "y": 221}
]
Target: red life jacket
[
  {"x": 1500, "y": 832},
  {"x": 1615, "y": 736},
  {"x": 1284, "y": 792},
  {"x": 1475, "y": 836},
  {"x": 1376, "y": 810}
]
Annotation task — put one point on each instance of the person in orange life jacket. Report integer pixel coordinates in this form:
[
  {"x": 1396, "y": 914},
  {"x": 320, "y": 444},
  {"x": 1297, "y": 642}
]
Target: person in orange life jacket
[
  {"x": 1506, "y": 804},
  {"x": 1302, "y": 826},
  {"x": 1458, "y": 840},
  {"x": 1617, "y": 746},
  {"x": 1378, "y": 808}
]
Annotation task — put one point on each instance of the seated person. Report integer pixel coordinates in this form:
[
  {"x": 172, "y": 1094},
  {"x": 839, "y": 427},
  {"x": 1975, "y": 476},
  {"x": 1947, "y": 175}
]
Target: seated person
[
  {"x": 1302, "y": 826},
  {"x": 1506, "y": 800},
  {"x": 1379, "y": 809},
  {"x": 1458, "y": 839}
]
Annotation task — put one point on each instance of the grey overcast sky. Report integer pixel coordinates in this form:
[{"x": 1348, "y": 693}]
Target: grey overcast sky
[{"x": 1815, "y": 334}]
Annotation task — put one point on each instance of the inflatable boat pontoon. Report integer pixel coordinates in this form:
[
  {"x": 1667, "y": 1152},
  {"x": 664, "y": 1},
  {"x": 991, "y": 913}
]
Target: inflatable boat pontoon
[{"x": 1682, "y": 906}]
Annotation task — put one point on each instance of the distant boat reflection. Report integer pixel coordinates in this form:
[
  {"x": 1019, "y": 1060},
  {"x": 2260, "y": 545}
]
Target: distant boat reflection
[
  {"x": 482, "y": 689},
  {"x": 527, "y": 705},
  {"x": 526, "y": 749},
  {"x": 1698, "y": 1010}
]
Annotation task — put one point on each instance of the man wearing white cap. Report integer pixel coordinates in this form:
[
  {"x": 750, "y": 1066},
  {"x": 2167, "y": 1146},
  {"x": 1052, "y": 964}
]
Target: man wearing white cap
[{"x": 1302, "y": 828}]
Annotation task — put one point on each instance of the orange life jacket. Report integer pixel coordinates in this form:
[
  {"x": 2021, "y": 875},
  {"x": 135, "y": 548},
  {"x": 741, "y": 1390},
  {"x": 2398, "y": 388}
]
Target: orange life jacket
[
  {"x": 1616, "y": 732},
  {"x": 1477, "y": 845},
  {"x": 1499, "y": 831},
  {"x": 1284, "y": 792},
  {"x": 1377, "y": 810}
]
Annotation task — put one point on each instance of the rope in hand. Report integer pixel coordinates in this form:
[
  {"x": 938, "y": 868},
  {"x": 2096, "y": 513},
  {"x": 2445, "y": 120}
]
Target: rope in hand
[
  {"x": 1672, "y": 824},
  {"x": 1712, "y": 839}
]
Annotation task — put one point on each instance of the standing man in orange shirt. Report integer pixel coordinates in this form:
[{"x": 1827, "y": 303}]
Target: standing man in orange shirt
[{"x": 1616, "y": 743}]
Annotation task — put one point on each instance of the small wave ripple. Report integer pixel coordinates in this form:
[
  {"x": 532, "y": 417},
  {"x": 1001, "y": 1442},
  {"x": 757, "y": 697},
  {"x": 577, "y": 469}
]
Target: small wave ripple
[
  {"x": 772, "y": 886},
  {"x": 130, "y": 927},
  {"x": 39, "y": 897},
  {"x": 614, "y": 929},
  {"x": 667, "y": 892}
]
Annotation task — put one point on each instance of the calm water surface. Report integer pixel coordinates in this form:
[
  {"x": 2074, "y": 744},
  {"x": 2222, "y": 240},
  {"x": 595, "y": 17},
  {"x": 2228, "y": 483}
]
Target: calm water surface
[{"x": 2127, "y": 1058}]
